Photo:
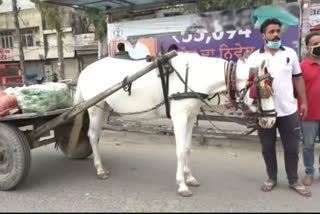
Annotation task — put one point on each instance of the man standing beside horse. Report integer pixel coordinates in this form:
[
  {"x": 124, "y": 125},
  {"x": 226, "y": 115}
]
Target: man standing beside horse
[
  {"x": 283, "y": 66},
  {"x": 311, "y": 126}
]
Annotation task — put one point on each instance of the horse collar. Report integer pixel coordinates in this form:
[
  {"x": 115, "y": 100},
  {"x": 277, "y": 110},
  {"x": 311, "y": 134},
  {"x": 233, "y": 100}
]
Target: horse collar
[{"x": 231, "y": 83}]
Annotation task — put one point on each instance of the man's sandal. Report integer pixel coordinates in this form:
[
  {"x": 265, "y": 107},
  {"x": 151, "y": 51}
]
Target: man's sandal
[
  {"x": 301, "y": 189},
  {"x": 268, "y": 186}
]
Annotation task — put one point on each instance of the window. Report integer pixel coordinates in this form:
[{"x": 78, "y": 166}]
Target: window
[
  {"x": 6, "y": 39},
  {"x": 27, "y": 37}
]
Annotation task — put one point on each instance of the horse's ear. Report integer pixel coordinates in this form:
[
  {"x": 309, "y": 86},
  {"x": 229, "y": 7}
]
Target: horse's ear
[
  {"x": 262, "y": 65},
  {"x": 246, "y": 54},
  {"x": 242, "y": 58},
  {"x": 161, "y": 48}
]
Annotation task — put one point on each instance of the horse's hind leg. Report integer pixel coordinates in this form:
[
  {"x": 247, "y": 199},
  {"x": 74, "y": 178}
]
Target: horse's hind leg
[
  {"x": 97, "y": 119},
  {"x": 180, "y": 123},
  {"x": 190, "y": 180}
]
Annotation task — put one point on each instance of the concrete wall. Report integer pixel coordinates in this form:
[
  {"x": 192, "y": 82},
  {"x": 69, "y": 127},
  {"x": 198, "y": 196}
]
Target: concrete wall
[
  {"x": 87, "y": 60},
  {"x": 68, "y": 43},
  {"x": 71, "y": 68},
  {"x": 6, "y": 5}
]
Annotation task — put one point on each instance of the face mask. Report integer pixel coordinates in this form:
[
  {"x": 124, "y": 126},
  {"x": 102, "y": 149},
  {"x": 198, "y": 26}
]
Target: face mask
[
  {"x": 316, "y": 51},
  {"x": 273, "y": 44}
]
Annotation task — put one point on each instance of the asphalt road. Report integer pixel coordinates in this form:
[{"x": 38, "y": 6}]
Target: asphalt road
[{"x": 143, "y": 168}]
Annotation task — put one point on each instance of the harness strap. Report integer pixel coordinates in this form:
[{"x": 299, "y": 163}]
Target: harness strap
[
  {"x": 213, "y": 96},
  {"x": 126, "y": 86},
  {"x": 186, "y": 79},
  {"x": 249, "y": 132},
  {"x": 165, "y": 88},
  {"x": 186, "y": 95},
  {"x": 267, "y": 113},
  {"x": 231, "y": 84},
  {"x": 177, "y": 96}
]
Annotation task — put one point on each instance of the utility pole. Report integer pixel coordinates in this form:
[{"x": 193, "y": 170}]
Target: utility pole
[
  {"x": 103, "y": 41},
  {"x": 60, "y": 53},
  {"x": 16, "y": 23}
]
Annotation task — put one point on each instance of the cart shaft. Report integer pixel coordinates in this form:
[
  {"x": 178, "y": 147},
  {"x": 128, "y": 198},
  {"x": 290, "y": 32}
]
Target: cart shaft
[{"x": 36, "y": 133}]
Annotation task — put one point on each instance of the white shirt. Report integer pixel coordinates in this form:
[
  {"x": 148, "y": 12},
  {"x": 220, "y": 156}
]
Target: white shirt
[
  {"x": 140, "y": 51},
  {"x": 282, "y": 67}
]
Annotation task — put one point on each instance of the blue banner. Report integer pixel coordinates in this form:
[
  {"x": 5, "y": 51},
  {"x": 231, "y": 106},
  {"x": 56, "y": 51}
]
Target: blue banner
[{"x": 229, "y": 45}]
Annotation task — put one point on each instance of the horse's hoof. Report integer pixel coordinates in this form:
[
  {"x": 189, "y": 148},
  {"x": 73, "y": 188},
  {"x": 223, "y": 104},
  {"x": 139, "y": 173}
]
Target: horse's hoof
[
  {"x": 185, "y": 193},
  {"x": 103, "y": 176},
  {"x": 193, "y": 183}
]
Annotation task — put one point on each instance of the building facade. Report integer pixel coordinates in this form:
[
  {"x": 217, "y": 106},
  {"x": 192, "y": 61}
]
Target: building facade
[
  {"x": 31, "y": 37},
  {"x": 40, "y": 44}
]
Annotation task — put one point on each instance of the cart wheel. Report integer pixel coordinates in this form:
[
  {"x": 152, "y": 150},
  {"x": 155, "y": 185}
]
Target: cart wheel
[
  {"x": 15, "y": 157},
  {"x": 83, "y": 149}
]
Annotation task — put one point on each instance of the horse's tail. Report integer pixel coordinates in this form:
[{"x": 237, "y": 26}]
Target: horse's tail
[{"x": 77, "y": 123}]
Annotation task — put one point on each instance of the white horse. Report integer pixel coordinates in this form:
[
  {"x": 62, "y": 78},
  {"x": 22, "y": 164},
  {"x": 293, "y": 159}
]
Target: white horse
[{"x": 205, "y": 75}]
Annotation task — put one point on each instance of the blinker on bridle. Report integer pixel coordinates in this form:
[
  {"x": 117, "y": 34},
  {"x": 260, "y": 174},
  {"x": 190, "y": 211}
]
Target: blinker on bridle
[{"x": 263, "y": 91}]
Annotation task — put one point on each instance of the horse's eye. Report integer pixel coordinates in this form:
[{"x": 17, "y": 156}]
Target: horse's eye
[{"x": 254, "y": 102}]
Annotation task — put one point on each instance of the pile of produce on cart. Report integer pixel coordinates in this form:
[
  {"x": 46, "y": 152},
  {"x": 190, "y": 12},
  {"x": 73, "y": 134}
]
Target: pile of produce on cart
[{"x": 36, "y": 98}]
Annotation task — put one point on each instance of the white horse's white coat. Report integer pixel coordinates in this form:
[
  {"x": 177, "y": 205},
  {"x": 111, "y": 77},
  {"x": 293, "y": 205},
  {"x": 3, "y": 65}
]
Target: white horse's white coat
[{"x": 206, "y": 75}]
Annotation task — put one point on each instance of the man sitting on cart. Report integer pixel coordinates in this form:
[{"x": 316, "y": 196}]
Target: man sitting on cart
[{"x": 122, "y": 54}]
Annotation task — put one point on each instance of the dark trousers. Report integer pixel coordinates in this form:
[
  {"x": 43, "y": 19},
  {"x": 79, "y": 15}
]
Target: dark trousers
[{"x": 290, "y": 131}]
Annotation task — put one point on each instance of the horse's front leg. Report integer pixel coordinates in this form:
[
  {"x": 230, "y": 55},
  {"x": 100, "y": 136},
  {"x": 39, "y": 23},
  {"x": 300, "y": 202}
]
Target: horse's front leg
[
  {"x": 97, "y": 118},
  {"x": 190, "y": 180},
  {"x": 180, "y": 121}
]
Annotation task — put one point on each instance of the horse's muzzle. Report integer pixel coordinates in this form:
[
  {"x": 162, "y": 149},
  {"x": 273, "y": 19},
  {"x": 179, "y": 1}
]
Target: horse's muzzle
[{"x": 267, "y": 122}]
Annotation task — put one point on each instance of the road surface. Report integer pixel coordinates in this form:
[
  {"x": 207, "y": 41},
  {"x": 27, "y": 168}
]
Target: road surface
[{"x": 143, "y": 168}]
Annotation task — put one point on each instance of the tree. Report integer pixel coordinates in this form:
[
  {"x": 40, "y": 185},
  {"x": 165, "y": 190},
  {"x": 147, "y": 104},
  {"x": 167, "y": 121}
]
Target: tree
[
  {"x": 211, "y": 5},
  {"x": 98, "y": 19},
  {"x": 54, "y": 16},
  {"x": 18, "y": 32}
]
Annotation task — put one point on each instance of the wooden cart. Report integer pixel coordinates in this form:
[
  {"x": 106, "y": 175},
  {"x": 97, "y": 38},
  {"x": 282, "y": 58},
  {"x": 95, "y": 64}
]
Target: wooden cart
[{"x": 22, "y": 132}]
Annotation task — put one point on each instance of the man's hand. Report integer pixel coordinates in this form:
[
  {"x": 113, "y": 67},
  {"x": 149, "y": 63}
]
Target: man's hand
[
  {"x": 298, "y": 82},
  {"x": 303, "y": 111}
]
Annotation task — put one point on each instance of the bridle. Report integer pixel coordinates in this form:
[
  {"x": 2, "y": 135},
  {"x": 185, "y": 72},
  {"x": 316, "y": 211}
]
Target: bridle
[
  {"x": 235, "y": 97},
  {"x": 255, "y": 82}
]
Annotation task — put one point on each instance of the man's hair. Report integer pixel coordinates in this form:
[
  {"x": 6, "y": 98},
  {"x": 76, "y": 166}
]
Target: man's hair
[
  {"x": 310, "y": 35},
  {"x": 120, "y": 47},
  {"x": 266, "y": 23}
]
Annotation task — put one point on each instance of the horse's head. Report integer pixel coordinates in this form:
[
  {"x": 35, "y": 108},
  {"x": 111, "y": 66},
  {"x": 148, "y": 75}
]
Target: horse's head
[{"x": 256, "y": 94}]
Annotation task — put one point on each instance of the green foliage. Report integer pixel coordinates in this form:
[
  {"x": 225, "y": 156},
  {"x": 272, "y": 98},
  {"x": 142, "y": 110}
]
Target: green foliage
[
  {"x": 53, "y": 15},
  {"x": 212, "y": 5},
  {"x": 98, "y": 19}
]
